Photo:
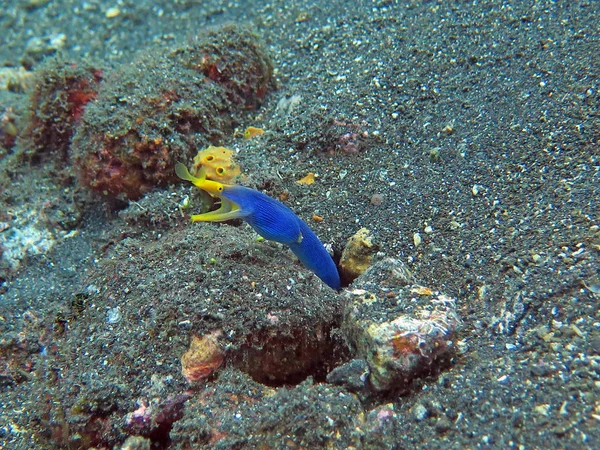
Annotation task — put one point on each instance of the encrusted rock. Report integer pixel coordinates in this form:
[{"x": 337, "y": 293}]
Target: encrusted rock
[
  {"x": 164, "y": 106},
  {"x": 403, "y": 330},
  {"x": 353, "y": 375},
  {"x": 204, "y": 356},
  {"x": 62, "y": 90},
  {"x": 15, "y": 79},
  {"x": 357, "y": 254}
]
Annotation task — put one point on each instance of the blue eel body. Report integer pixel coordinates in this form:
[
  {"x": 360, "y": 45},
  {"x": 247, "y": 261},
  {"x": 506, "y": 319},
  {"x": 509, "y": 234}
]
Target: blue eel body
[
  {"x": 269, "y": 218},
  {"x": 276, "y": 222}
]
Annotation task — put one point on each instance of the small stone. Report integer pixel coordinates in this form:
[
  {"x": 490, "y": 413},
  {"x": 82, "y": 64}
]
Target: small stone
[
  {"x": 379, "y": 416},
  {"x": 352, "y": 375},
  {"x": 417, "y": 239},
  {"x": 377, "y": 199},
  {"x": 448, "y": 129},
  {"x": 58, "y": 41},
  {"x": 543, "y": 409},
  {"x": 37, "y": 47},
  {"x": 357, "y": 254},
  {"x": 419, "y": 412},
  {"x": 136, "y": 443},
  {"x": 113, "y": 12},
  {"x": 113, "y": 315},
  {"x": 33, "y": 4},
  {"x": 594, "y": 345},
  {"x": 442, "y": 425}
]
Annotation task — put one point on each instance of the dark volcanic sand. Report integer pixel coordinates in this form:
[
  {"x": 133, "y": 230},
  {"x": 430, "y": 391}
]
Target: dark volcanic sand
[{"x": 477, "y": 124}]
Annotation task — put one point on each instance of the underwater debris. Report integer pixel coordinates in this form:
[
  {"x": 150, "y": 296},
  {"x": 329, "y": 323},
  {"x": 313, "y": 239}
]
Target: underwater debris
[
  {"x": 308, "y": 179},
  {"x": 15, "y": 79},
  {"x": 353, "y": 375},
  {"x": 402, "y": 330},
  {"x": 251, "y": 132},
  {"x": 203, "y": 358},
  {"x": 357, "y": 254},
  {"x": 286, "y": 105}
]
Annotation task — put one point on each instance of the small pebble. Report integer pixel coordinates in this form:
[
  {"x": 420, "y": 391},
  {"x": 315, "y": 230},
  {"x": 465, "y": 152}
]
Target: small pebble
[
  {"x": 419, "y": 412},
  {"x": 113, "y": 315},
  {"x": 376, "y": 199},
  {"x": 113, "y": 12},
  {"x": 417, "y": 239},
  {"x": 353, "y": 375},
  {"x": 442, "y": 425}
]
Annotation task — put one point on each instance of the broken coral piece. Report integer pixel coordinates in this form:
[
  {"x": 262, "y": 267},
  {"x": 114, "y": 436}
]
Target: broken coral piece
[
  {"x": 358, "y": 254},
  {"x": 203, "y": 358},
  {"x": 400, "y": 335}
]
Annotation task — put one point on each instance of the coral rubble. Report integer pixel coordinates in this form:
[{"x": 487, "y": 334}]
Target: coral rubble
[{"x": 399, "y": 328}]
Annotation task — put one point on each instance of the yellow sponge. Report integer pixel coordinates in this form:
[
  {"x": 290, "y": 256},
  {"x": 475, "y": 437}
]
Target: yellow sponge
[{"x": 218, "y": 163}]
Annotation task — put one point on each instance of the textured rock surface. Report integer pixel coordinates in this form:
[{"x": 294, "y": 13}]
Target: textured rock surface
[
  {"x": 164, "y": 107},
  {"x": 357, "y": 255},
  {"x": 401, "y": 329}
]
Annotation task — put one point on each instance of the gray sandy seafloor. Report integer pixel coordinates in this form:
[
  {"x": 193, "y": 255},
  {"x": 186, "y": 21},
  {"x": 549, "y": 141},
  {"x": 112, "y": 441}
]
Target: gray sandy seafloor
[{"x": 481, "y": 125}]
